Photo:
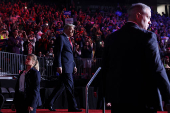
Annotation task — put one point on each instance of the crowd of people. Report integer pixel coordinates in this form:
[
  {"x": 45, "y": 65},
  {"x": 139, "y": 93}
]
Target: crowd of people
[
  {"x": 28, "y": 28},
  {"x": 33, "y": 28}
]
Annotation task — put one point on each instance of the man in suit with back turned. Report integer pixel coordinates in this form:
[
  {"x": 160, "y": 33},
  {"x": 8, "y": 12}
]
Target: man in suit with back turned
[
  {"x": 134, "y": 76},
  {"x": 65, "y": 66}
]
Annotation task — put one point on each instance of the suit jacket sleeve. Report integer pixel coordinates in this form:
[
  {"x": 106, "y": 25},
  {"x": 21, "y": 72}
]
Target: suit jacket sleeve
[
  {"x": 58, "y": 51},
  {"x": 156, "y": 65}
]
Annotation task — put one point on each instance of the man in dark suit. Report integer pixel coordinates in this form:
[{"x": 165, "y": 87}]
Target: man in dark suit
[
  {"x": 134, "y": 76},
  {"x": 65, "y": 65}
]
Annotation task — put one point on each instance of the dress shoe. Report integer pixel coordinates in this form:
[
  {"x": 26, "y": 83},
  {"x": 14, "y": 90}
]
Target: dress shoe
[
  {"x": 75, "y": 110},
  {"x": 51, "y": 108}
]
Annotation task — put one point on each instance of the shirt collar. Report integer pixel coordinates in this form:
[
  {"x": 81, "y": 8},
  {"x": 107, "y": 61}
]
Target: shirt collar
[
  {"x": 67, "y": 36},
  {"x": 133, "y": 22}
]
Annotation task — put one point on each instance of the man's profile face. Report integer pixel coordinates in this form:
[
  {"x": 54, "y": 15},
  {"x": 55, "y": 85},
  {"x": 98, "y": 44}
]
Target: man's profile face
[
  {"x": 70, "y": 31},
  {"x": 145, "y": 19}
]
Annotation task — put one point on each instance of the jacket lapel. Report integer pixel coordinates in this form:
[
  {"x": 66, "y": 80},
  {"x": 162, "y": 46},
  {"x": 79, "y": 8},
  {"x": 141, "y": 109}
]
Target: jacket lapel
[
  {"x": 67, "y": 41},
  {"x": 27, "y": 74}
]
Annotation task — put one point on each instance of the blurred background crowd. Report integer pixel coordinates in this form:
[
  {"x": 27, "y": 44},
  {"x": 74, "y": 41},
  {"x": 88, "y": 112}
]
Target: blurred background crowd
[{"x": 27, "y": 27}]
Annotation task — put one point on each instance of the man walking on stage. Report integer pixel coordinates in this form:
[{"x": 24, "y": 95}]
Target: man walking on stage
[{"x": 65, "y": 66}]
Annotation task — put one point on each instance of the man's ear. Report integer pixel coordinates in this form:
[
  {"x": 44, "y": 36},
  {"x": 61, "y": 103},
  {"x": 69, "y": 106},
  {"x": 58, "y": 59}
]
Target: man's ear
[{"x": 138, "y": 15}]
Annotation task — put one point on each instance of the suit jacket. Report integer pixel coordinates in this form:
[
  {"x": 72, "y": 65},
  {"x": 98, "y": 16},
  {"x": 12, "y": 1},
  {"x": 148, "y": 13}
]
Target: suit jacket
[
  {"x": 32, "y": 88},
  {"x": 132, "y": 69},
  {"x": 63, "y": 54}
]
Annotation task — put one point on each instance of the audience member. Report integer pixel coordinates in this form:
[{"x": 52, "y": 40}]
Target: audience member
[
  {"x": 29, "y": 45},
  {"x": 14, "y": 43},
  {"x": 87, "y": 58},
  {"x": 43, "y": 44}
]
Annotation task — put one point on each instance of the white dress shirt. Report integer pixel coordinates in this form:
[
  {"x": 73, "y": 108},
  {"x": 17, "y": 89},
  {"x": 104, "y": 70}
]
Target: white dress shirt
[{"x": 22, "y": 81}]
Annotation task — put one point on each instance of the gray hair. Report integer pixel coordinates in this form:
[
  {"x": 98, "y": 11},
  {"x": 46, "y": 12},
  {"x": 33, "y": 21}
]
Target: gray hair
[
  {"x": 138, "y": 7},
  {"x": 68, "y": 25}
]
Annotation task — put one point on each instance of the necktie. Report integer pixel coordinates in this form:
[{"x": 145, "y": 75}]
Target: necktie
[{"x": 71, "y": 43}]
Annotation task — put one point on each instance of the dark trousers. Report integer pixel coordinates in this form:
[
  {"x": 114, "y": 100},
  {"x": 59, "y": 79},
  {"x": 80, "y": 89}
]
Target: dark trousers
[
  {"x": 67, "y": 83},
  {"x": 21, "y": 106}
]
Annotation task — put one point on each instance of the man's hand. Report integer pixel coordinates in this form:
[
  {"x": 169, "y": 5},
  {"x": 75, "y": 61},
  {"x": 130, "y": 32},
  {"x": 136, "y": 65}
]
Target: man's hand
[
  {"x": 59, "y": 70},
  {"x": 75, "y": 70},
  {"x": 30, "y": 108},
  {"x": 108, "y": 104}
]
